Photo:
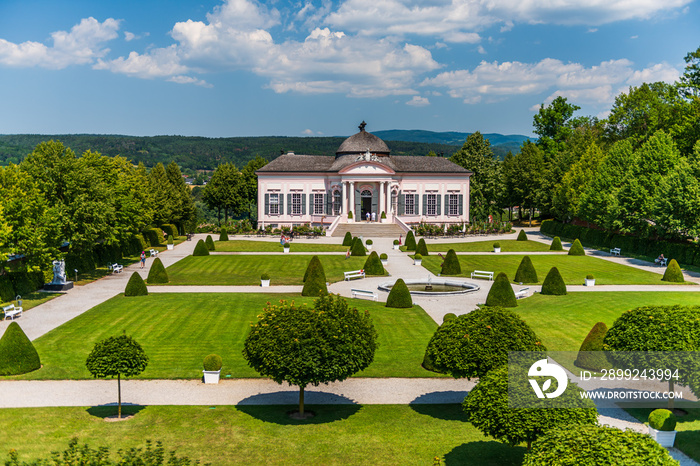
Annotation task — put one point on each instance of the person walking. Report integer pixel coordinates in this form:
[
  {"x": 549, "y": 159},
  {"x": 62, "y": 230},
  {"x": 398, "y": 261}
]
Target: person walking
[{"x": 143, "y": 259}]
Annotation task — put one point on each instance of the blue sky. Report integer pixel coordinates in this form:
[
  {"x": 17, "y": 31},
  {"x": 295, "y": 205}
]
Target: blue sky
[{"x": 319, "y": 67}]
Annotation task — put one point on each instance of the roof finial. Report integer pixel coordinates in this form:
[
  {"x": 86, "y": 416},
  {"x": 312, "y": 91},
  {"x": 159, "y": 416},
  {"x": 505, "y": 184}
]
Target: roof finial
[{"x": 362, "y": 126}]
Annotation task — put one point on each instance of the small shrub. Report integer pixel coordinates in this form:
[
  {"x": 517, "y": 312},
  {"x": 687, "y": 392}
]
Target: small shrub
[
  {"x": 17, "y": 353},
  {"x": 451, "y": 266},
  {"x": 200, "y": 249},
  {"x": 522, "y": 236},
  {"x": 577, "y": 249},
  {"x": 553, "y": 283},
  {"x": 315, "y": 279},
  {"x": 418, "y": 257},
  {"x": 373, "y": 266},
  {"x": 315, "y": 266},
  {"x": 265, "y": 276},
  {"x": 501, "y": 293},
  {"x": 448, "y": 317},
  {"x": 213, "y": 362},
  {"x": 396, "y": 242},
  {"x": 496, "y": 245},
  {"x": 526, "y": 272},
  {"x": 399, "y": 296},
  {"x": 223, "y": 236},
  {"x": 662, "y": 419},
  {"x": 350, "y": 214},
  {"x": 590, "y": 277},
  {"x": 347, "y": 240},
  {"x": 673, "y": 273},
  {"x": 410, "y": 242},
  {"x": 556, "y": 244},
  {"x": 157, "y": 274},
  {"x": 136, "y": 286},
  {"x": 590, "y": 355},
  {"x": 358, "y": 249},
  {"x": 383, "y": 214},
  {"x": 170, "y": 239},
  {"x": 209, "y": 243},
  {"x": 383, "y": 256},
  {"x": 422, "y": 248},
  {"x": 369, "y": 242}
]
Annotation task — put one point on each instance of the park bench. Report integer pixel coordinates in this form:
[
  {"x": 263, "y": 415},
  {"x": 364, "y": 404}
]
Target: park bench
[
  {"x": 11, "y": 311},
  {"x": 116, "y": 268},
  {"x": 482, "y": 274},
  {"x": 365, "y": 294},
  {"x": 354, "y": 274},
  {"x": 154, "y": 253},
  {"x": 663, "y": 261},
  {"x": 522, "y": 293},
  {"x": 615, "y": 252},
  {"x": 190, "y": 236}
]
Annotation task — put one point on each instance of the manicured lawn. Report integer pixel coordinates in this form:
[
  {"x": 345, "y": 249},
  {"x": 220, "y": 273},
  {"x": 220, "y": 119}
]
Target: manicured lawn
[
  {"x": 230, "y": 435},
  {"x": 178, "y": 330},
  {"x": 507, "y": 245},
  {"x": 33, "y": 299},
  {"x": 268, "y": 246},
  {"x": 573, "y": 269},
  {"x": 688, "y": 427},
  {"x": 246, "y": 270}
]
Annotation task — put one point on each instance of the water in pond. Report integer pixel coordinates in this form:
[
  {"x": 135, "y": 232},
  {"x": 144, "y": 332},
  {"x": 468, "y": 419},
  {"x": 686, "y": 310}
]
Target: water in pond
[{"x": 434, "y": 288}]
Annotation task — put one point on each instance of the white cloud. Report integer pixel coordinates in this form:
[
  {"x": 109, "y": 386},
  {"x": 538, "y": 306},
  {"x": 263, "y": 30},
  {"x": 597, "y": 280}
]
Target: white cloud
[
  {"x": 418, "y": 101},
  {"x": 129, "y": 36},
  {"x": 157, "y": 63},
  {"x": 592, "y": 30},
  {"x": 189, "y": 80},
  {"x": 481, "y": 50},
  {"x": 308, "y": 132}
]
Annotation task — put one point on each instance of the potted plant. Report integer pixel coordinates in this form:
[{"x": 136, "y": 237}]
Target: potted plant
[
  {"x": 170, "y": 242},
  {"x": 396, "y": 244},
  {"x": 369, "y": 244},
  {"x": 662, "y": 427},
  {"x": 590, "y": 280},
  {"x": 417, "y": 259},
  {"x": 384, "y": 258},
  {"x": 212, "y": 368},
  {"x": 264, "y": 280},
  {"x": 350, "y": 216},
  {"x": 496, "y": 247},
  {"x": 383, "y": 216},
  {"x": 286, "y": 248}
]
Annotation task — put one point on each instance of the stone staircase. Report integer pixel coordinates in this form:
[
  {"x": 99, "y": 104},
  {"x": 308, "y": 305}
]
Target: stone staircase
[{"x": 369, "y": 230}]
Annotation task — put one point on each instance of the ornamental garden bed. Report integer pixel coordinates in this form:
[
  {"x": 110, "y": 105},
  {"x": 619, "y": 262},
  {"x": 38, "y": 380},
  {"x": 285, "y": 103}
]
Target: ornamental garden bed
[
  {"x": 269, "y": 246},
  {"x": 507, "y": 245}
]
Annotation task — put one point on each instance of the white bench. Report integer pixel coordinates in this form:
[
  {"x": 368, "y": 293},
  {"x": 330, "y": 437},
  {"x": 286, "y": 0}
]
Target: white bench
[
  {"x": 354, "y": 274},
  {"x": 11, "y": 311},
  {"x": 522, "y": 293},
  {"x": 482, "y": 274},
  {"x": 154, "y": 253},
  {"x": 663, "y": 261},
  {"x": 365, "y": 294},
  {"x": 615, "y": 252},
  {"x": 116, "y": 268}
]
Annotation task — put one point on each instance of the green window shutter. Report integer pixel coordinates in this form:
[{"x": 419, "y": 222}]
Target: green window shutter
[
  {"x": 402, "y": 203},
  {"x": 267, "y": 204},
  {"x": 438, "y": 211},
  {"x": 461, "y": 204},
  {"x": 289, "y": 204},
  {"x": 303, "y": 203},
  {"x": 358, "y": 206},
  {"x": 425, "y": 204},
  {"x": 329, "y": 202}
]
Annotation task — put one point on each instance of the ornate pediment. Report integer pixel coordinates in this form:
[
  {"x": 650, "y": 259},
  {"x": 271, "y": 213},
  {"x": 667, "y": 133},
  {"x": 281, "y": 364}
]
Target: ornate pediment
[{"x": 367, "y": 167}]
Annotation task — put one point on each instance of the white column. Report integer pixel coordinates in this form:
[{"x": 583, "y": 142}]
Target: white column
[
  {"x": 351, "y": 198},
  {"x": 381, "y": 206}
]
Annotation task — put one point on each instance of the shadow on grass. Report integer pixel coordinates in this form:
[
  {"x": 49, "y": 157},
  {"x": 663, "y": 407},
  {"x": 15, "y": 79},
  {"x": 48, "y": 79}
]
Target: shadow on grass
[
  {"x": 485, "y": 453},
  {"x": 111, "y": 409},
  {"x": 274, "y": 407},
  {"x": 441, "y": 405}
]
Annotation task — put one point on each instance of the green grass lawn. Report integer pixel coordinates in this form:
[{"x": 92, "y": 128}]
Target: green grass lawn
[
  {"x": 178, "y": 330},
  {"x": 507, "y": 245},
  {"x": 286, "y": 269},
  {"x": 268, "y": 246},
  {"x": 573, "y": 269},
  {"x": 231, "y": 435},
  {"x": 33, "y": 299}
]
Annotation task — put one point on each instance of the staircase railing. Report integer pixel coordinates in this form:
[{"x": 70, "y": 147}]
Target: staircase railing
[
  {"x": 402, "y": 224},
  {"x": 334, "y": 225}
]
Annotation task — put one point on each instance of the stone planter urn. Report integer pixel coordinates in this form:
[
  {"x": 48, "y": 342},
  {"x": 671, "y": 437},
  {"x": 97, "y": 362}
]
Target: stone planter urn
[
  {"x": 384, "y": 261},
  {"x": 286, "y": 249},
  {"x": 590, "y": 280},
  {"x": 170, "y": 247},
  {"x": 665, "y": 438},
  {"x": 264, "y": 282},
  {"x": 417, "y": 259},
  {"x": 496, "y": 250},
  {"x": 211, "y": 376},
  {"x": 212, "y": 368}
]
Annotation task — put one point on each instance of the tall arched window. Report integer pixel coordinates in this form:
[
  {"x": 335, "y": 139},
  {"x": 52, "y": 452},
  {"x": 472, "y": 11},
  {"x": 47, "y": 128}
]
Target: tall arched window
[
  {"x": 337, "y": 202},
  {"x": 366, "y": 193}
]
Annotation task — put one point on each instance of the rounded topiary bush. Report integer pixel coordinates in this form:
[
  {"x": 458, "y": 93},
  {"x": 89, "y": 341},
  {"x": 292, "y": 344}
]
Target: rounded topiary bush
[
  {"x": 17, "y": 353},
  {"x": 427, "y": 363},
  {"x": 673, "y": 273},
  {"x": 410, "y": 241},
  {"x": 399, "y": 296},
  {"x": 448, "y": 317},
  {"x": 662, "y": 419},
  {"x": 497, "y": 245},
  {"x": 383, "y": 256},
  {"x": 136, "y": 286},
  {"x": 200, "y": 249},
  {"x": 223, "y": 236},
  {"x": 556, "y": 244},
  {"x": 522, "y": 236},
  {"x": 170, "y": 239},
  {"x": 501, "y": 293},
  {"x": 347, "y": 240},
  {"x": 358, "y": 249},
  {"x": 315, "y": 266},
  {"x": 553, "y": 283},
  {"x": 591, "y": 355},
  {"x": 209, "y": 243},
  {"x": 422, "y": 248},
  {"x": 450, "y": 266},
  {"x": 369, "y": 242},
  {"x": 373, "y": 266},
  {"x": 526, "y": 272},
  {"x": 157, "y": 274},
  {"x": 315, "y": 280},
  {"x": 590, "y": 277},
  {"x": 577, "y": 249},
  {"x": 213, "y": 362},
  {"x": 265, "y": 276}
]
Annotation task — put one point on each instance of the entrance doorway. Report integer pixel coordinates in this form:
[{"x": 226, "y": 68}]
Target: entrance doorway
[{"x": 366, "y": 203}]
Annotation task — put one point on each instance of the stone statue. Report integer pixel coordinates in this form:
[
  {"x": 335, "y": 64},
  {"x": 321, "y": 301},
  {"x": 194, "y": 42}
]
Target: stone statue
[
  {"x": 59, "y": 273},
  {"x": 362, "y": 125}
]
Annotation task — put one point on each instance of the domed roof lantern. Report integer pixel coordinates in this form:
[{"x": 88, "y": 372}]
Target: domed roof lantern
[{"x": 363, "y": 142}]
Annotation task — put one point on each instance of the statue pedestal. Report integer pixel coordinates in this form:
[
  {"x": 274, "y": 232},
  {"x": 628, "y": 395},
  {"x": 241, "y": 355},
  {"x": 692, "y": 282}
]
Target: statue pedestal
[{"x": 58, "y": 286}]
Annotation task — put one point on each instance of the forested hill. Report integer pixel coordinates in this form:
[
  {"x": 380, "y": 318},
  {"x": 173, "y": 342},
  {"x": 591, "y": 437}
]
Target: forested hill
[{"x": 200, "y": 153}]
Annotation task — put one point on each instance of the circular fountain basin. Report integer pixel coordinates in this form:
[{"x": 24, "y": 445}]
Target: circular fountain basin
[{"x": 437, "y": 286}]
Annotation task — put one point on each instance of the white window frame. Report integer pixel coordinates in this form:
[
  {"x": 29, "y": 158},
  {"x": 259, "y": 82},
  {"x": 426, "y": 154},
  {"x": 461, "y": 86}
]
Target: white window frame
[
  {"x": 296, "y": 204},
  {"x": 319, "y": 207},
  {"x": 409, "y": 208},
  {"x": 431, "y": 207},
  {"x": 274, "y": 206},
  {"x": 453, "y": 199}
]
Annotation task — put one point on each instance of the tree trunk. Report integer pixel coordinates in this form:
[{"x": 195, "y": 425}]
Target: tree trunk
[
  {"x": 119, "y": 390},
  {"x": 301, "y": 401},
  {"x": 532, "y": 213},
  {"x": 218, "y": 215}
]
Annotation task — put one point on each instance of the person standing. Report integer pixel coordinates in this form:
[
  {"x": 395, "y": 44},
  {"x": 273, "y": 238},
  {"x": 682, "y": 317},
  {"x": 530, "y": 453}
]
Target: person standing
[{"x": 143, "y": 259}]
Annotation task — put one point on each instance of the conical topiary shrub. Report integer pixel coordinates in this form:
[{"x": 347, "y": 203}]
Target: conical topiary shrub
[
  {"x": 556, "y": 245},
  {"x": 315, "y": 283},
  {"x": 315, "y": 266},
  {"x": 522, "y": 236},
  {"x": 136, "y": 286},
  {"x": 673, "y": 273},
  {"x": 373, "y": 265},
  {"x": 422, "y": 248},
  {"x": 399, "y": 296},
  {"x": 577, "y": 249},
  {"x": 347, "y": 240},
  {"x": 209, "y": 243},
  {"x": 501, "y": 293},
  {"x": 200, "y": 249},
  {"x": 223, "y": 236},
  {"x": 526, "y": 272},
  {"x": 410, "y": 241},
  {"x": 157, "y": 274},
  {"x": 591, "y": 355},
  {"x": 553, "y": 283},
  {"x": 358, "y": 249},
  {"x": 17, "y": 353},
  {"x": 450, "y": 265}
]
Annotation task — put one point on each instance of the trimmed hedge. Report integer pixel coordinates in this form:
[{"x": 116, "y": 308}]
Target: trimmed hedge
[
  {"x": 315, "y": 266},
  {"x": 501, "y": 293},
  {"x": 223, "y": 236},
  {"x": 170, "y": 229},
  {"x": 347, "y": 240},
  {"x": 410, "y": 241},
  {"x": 157, "y": 274},
  {"x": 200, "y": 249},
  {"x": 450, "y": 265},
  {"x": 315, "y": 283},
  {"x": 556, "y": 244},
  {"x": 209, "y": 243},
  {"x": 154, "y": 236},
  {"x": 448, "y": 317},
  {"x": 522, "y": 236},
  {"x": 553, "y": 283},
  {"x": 399, "y": 296},
  {"x": 673, "y": 273},
  {"x": 7, "y": 291},
  {"x": 17, "y": 353},
  {"x": 577, "y": 249},
  {"x": 662, "y": 419},
  {"x": 136, "y": 286},
  {"x": 590, "y": 355},
  {"x": 357, "y": 249},
  {"x": 81, "y": 260},
  {"x": 422, "y": 248},
  {"x": 106, "y": 253},
  {"x": 373, "y": 266},
  {"x": 526, "y": 272}
]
